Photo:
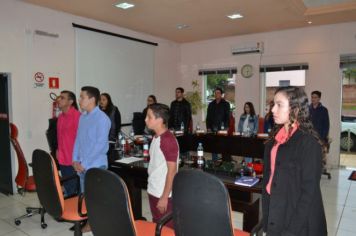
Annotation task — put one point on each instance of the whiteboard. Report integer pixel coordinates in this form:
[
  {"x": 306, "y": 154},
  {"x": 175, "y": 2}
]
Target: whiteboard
[{"x": 120, "y": 67}]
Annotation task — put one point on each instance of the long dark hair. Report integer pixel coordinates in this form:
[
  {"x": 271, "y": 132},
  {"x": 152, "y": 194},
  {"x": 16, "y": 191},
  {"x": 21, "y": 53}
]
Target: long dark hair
[
  {"x": 299, "y": 112},
  {"x": 110, "y": 105},
  {"x": 252, "y": 109}
]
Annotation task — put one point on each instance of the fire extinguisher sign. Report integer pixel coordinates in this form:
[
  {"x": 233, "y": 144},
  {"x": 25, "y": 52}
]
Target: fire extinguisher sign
[{"x": 53, "y": 82}]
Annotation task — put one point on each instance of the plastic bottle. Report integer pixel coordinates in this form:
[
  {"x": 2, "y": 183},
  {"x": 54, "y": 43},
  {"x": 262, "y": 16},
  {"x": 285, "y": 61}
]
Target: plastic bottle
[
  {"x": 182, "y": 126},
  {"x": 200, "y": 159},
  {"x": 197, "y": 127},
  {"x": 222, "y": 126},
  {"x": 123, "y": 145},
  {"x": 145, "y": 148}
]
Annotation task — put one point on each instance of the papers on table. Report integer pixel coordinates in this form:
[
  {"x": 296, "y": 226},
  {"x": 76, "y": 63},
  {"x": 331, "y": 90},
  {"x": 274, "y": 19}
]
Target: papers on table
[
  {"x": 247, "y": 181},
  {"x": 128, "y": 160}
]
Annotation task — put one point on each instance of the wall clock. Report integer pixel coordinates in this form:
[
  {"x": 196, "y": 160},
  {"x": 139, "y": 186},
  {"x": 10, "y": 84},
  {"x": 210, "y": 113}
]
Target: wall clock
[{"x": 247, "y": 71}]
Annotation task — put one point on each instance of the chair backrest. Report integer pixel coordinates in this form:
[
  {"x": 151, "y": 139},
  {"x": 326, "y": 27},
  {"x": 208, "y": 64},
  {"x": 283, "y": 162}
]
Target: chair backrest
[
  {"x": 22, "y": 173},
  {"x": 201, "y": 205},
  {"x": 108, "y": 204},
  {"x": 261, "y": 124},
  {"x": 46, "y": 177}
]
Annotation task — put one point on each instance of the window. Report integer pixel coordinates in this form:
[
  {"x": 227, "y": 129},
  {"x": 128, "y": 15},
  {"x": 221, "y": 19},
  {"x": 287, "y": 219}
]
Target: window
[
  {"x": 274, "y": 77},
  {"x": 222, "y": 78}
]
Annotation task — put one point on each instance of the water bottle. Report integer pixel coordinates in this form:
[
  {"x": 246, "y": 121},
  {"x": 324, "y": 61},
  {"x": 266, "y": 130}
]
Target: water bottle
[
  {"x": 145, "y": 148},
  {"x": 197, "y": 127},
  {"x": 132, "y": 135},
  {"x": 182, "y": 126},
  {"x": 248, "y": 131},
  {"x": 222, "y": 126},
  {"x": 200, "y": 159},
  {"x": 123, "y": 145}
]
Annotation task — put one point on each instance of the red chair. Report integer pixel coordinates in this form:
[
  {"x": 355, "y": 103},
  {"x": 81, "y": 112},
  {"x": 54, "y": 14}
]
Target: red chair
[
  {"x": 261, "y": 124},
  {"x": 23, "y": 181}
]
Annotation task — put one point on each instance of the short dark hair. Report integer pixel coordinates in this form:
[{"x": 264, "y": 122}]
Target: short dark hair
[
  {"x": 71, "y": 96},
  {"x": 92, "y": 92},
  {"x": 317, "y": 93},
  {"x": 160, "y": 111},
  {"x": 180, "y": 89},
  {"x": 219, "y": 89}
]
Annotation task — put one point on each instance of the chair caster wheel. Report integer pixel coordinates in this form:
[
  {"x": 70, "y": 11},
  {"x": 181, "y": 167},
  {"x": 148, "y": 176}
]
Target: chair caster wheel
[
  {"x": 43, "y": 225},
  {"x": 17, "y": 222}
]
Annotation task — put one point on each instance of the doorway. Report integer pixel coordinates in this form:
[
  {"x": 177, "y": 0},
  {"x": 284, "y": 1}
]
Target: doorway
[
  {"x": 5, "y": 153},
  {"x": 348, "y": 112}
]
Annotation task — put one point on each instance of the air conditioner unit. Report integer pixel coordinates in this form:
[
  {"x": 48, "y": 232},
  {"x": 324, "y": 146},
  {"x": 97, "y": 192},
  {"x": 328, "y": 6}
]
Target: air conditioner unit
[{"x": 248, "y": 48}]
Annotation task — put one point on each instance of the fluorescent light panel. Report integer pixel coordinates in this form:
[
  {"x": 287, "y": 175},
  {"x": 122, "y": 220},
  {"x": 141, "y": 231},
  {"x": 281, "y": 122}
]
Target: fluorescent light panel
[
  {"x": 182, "y": 26},
  {"x": 124, "y": 5},
  {"x": 235, "y": 16}
]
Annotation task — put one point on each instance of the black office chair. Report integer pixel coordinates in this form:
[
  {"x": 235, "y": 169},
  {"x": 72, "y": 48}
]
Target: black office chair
[
  {"x": 201, "y": 205},
  {"x": 49, "y": 191},
  {"x": 109, "y": 207}
]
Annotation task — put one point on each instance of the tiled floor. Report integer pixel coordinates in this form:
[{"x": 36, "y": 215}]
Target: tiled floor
[
  {"x": 348, "y": 159},
  {"x": 339, "y": 196}
]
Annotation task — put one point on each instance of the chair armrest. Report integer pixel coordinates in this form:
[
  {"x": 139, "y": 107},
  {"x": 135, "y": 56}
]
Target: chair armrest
[
  {"x": 80, "y": 205},
  {"x": 255, "y": 230},
  {"x": 161, "y": 222}
]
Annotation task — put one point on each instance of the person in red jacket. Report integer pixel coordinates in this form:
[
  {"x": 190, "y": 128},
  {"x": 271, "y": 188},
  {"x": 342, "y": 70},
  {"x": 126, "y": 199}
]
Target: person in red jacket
[{"x": 67, "y": 126}]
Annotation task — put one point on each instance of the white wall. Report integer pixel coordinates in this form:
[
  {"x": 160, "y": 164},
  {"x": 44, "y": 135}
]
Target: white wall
[
  {"x": 320, "y": 47},
  {"x": 22, "y": 53}
]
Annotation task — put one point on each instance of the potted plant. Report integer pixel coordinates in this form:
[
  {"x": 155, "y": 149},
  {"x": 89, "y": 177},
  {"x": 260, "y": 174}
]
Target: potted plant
[{"x": 194, "y": 98}]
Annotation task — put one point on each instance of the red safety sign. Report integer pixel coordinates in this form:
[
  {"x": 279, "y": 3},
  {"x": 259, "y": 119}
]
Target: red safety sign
[{"x": 53, "y": 82}]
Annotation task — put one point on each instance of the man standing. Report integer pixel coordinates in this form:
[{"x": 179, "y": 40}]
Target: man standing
[
  {"x": 180, "y": 112},
  {"x": 91, "y": 143},
  {"x": 67, "y": 126},
  {"x": 319, "y": 116},
  {"x": 163, "y": 164},
  {"x": 218, "y": 112}
]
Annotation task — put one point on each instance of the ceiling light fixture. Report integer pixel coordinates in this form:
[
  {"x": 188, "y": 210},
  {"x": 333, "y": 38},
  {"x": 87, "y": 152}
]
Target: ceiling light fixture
[
  {"x": 310, "y": 22},
  {"x": 182, "y": 26},
  {"x": 124, "y": 5},
  {"x": 235, "y": 16}
]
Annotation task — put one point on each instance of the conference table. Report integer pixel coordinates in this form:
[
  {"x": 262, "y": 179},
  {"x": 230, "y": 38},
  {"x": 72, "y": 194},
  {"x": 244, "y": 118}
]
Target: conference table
[{"x": 243, "y": 199}]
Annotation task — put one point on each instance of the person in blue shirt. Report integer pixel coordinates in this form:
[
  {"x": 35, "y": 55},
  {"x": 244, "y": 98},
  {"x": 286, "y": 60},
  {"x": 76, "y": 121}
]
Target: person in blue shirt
[
  {"x": 248, "y": 123},
  {"x": 319, "y": 116},
  {"x": 91, "y": 144}
]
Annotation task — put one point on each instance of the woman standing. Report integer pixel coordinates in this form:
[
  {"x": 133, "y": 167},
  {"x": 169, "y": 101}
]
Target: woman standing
[
  {"x": 113, "y": 113},
  {"x": 291, "y": 198},
  {"x": 151, "y": 99},
  {"x": 268, "y": 121},
  {"x": 248, "y": 123}
]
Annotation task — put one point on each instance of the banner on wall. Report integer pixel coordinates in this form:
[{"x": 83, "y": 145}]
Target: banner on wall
[{"x": 38, "y": 80}]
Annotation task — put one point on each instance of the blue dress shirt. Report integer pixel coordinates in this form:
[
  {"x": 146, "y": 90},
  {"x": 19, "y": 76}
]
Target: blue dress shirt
[{"x": 91, "y": 143}]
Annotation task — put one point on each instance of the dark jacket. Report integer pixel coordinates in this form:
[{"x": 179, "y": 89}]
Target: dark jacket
[
  {"x": 320, "y": 118},
  {"x": 180, "y": 111},
  {"x": 218, "y": 113},
  {"x": 115, "y": 118},
  {"x": 295, "y": 206}
]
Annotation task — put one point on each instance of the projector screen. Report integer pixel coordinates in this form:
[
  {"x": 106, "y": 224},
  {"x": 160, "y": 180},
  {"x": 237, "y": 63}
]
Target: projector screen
[{"x": 120, "y": 67}]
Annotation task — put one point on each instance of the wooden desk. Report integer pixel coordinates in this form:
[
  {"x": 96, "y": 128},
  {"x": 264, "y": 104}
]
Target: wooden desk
[
  {"x": 226, "y": 145},
  {"x": 242, "y": 199}
]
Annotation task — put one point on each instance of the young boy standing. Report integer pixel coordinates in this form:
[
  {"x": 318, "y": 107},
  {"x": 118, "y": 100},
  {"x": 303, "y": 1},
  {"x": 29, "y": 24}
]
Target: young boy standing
[{"x": 163, "y": 164}]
